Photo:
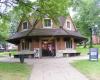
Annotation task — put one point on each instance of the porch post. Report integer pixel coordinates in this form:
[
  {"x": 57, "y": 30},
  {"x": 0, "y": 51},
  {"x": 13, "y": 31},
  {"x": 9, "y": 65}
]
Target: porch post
[
  {"x": 73, "y": 44},
  {"x": 62, "y": 43},
  {"x": 40, "y": 49},
  {"x": 20, "y": 45}
]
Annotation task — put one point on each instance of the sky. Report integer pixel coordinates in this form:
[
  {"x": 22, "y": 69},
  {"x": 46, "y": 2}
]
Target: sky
[
  {"x": 72, "y": 13},
  {"x": 3, "y": 6},
  {"x": 32, "y": 0}
]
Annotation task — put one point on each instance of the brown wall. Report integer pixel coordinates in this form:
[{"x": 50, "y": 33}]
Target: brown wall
[
  {"x": 21, "y": 26},
  {"x": 38, "y": 26},
  {"x": 60, "y": 44},
  {"x": 74, "y": 43},
  {"x": 35, "y": 44},
  {"x": 19, "y": 47},
  {"x": 95, "y": 39}
]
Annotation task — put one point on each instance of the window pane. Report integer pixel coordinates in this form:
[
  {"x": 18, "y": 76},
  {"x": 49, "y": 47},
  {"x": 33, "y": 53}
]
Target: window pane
[
  {"x": 47, "y": 22},
  {"x": 68, "y": 43},
  {"x": 25, "y": 45},
  {"x": 25, "y": 26},
  {"x": 68, "y": 24}
]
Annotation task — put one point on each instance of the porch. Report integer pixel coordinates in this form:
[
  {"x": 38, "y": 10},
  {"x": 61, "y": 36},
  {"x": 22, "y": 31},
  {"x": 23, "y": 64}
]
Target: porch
[{"x": 47, "y": 46}]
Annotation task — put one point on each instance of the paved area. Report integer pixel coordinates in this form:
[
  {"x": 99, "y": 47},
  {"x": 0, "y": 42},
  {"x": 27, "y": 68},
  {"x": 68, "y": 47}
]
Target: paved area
[
  {"x": 54, "y": 69},
  {"x": 51, "y": 68}
]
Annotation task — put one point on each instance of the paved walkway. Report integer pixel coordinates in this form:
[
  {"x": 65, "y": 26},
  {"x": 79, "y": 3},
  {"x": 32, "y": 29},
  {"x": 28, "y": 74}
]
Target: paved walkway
[{"x": 54, "y": 69}]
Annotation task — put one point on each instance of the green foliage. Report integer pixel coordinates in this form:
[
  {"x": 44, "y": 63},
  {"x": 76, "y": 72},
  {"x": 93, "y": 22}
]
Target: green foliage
[
  {"x": 85, "y": 51},
  {"x": 87, "y": 16},
  {"x": 3, "y": 29},
  {"x": 25, "y": 9},
  {"x": 41, "y": 8},
  {"x": 7, "y": 53}
]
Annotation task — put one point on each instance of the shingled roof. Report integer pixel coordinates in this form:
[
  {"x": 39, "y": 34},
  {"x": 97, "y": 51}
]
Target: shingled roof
[{"x": 45, "y": 32}]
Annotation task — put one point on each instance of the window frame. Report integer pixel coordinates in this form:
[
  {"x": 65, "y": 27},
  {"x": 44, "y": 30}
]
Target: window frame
[
  {"x": 69, "y": 28},
  {"x": 70, "y": 43},
  {"x": 25, "y": 45},
  {"x": 23, "y": 26},
  {"x": 44, "y": 23}
]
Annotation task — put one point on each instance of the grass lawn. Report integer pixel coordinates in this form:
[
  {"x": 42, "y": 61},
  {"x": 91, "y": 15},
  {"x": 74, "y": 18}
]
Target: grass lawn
[
  {"x": 89, "y": 68},
  {"x": 7, "y": 53},
  {"x": 14, "y": 71},
  {"x": 85, "y": 51}
]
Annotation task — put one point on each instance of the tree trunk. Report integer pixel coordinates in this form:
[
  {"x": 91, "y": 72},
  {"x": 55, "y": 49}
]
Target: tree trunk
[
  {"x": 91, "y": 45},
  {"x": 84, "y": 46}
]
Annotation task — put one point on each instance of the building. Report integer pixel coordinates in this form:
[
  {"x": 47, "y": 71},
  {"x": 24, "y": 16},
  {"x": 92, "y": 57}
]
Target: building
[
  {"x": 95, "y": 39},
  {"x": 11, "y": 47},
  {"x": 48, "y": 38}
]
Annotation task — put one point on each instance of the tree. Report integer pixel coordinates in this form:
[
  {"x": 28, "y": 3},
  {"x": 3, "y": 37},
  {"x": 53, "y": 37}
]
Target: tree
[
  {"x": 17, "y": 10},
  {"x": 87, "y": 17}
]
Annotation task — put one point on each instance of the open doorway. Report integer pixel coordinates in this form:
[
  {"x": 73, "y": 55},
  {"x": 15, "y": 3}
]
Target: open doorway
[{"x": 48, "y": 48}]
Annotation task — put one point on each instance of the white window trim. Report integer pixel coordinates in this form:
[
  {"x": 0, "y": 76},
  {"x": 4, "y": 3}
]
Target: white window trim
[
  {"x": 47, "y": 26},
  {"x": 23, "y": 28},
  {"x": 70, "y": 25}
]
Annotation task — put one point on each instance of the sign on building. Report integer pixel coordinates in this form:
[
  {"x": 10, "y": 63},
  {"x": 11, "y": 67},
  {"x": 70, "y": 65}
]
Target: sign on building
[
  {"x": 37, "y": 53},
  {"x": 93, "y": 54}
]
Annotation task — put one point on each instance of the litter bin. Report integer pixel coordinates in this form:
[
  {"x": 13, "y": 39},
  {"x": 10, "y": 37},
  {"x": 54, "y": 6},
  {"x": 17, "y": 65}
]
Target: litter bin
[{"x": 21, "y": 58}]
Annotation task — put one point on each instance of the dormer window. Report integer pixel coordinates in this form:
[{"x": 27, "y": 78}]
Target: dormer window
[
  {"x": 47, "y": 23},
  {"x": 68, "y": 25},
  {"x": 25, "y": 25}
]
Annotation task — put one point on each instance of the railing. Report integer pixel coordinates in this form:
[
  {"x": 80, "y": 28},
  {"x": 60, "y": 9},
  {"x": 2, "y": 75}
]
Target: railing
[
  {"x": 67, "y": 50},
  {"x": 37, "y": 52},
  {"x": 25, "y": 52}
]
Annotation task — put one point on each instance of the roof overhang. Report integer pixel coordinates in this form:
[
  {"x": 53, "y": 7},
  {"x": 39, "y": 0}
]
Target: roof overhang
[{"x": 15, "y": 39}]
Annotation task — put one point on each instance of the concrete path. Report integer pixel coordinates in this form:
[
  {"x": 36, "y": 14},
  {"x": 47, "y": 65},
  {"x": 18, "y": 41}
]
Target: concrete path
[{"x": 54, "y": 69}]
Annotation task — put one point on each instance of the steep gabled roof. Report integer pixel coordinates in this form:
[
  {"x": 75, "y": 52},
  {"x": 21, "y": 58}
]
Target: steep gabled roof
[
  {"x": 61, "y": 20},
  {"x": 46, "y": 32}
]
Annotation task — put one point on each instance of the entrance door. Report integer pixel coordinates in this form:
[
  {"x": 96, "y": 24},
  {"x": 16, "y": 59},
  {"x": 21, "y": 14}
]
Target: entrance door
[{"x": 48, "y": 48}]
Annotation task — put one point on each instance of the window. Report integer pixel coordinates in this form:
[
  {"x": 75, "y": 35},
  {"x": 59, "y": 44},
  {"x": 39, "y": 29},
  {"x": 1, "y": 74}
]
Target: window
[
  {"x": 68, "y": 43},
  {"x": 25, "y": 25},
  {"x": 47, "y": 23},
  {"x": 68, "y": 24},
  {"x": 25, "y": 45}
]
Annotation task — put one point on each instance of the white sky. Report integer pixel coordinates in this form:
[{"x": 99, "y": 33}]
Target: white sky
[
  {"x": 72, "y": 13},
  {"x": 2, "y": 8},
  {"x": 32, "y": 0}
]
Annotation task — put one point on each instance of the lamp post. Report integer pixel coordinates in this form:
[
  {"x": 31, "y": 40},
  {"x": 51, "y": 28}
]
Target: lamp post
[{"x": 90, "y": 29}]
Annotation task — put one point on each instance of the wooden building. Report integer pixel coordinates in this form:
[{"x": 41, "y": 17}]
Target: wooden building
[{"x": 49, "y": 38}]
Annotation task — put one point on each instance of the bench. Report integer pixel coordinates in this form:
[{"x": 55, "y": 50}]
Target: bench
[
  {"x": 24, "y": 55},
  {"x": 71, "y": 54}
]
